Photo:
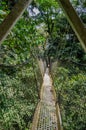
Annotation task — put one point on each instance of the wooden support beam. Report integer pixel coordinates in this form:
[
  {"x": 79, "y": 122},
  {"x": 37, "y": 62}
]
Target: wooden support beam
[
  {"x": 12, "y": 18},
  {"x": 74, "y": 20}
]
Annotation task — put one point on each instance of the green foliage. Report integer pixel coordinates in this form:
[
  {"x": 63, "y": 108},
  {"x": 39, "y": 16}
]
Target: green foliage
[
  {"x": 19, "y": 83},
  {"x": 61, "y": 39},
  {"x": 3, "y": 10},
  {"x": 20, "y": 86},
  {"x": 18, "y": 98},
  {"x": 70, "y": 85}
]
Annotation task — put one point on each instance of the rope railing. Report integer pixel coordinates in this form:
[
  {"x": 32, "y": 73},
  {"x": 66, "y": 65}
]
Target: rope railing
[
  {"x": 36, "y": 117},
  {"x": 59, "y": 120},
  {"x": 72, "y": 61},
  {"x": 14, "y": 66}
]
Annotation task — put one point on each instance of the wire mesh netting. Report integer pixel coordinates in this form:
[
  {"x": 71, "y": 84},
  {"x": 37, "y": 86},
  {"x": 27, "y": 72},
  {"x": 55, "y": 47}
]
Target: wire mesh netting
[{"x": 47, "y": 118}]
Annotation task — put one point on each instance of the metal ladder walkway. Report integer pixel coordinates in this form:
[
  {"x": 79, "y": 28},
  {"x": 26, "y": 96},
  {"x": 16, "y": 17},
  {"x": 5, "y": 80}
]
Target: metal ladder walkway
[{"x": 45, "y": 117}]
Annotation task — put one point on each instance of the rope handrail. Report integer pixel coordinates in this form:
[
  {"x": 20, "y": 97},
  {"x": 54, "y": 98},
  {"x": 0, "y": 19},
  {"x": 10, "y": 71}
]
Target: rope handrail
[
  {"x": 71, "y": 60},
  {"x": 14, "y": 66}
]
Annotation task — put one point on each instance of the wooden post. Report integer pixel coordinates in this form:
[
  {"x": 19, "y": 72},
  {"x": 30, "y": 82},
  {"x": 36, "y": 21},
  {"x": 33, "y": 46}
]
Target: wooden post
[
  {"x": 12, "y": 18},
  {"x": 74, "y": 21}
]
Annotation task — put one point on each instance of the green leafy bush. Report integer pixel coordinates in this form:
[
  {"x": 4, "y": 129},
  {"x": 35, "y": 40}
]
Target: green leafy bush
[
  {"x": 71, "y": 92},
  {"x": 18, "y": 98}
]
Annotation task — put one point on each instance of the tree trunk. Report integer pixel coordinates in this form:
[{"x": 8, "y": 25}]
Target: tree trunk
[
  {"x": 74, "y": 21},
  {"x": 12, "y": 18}
]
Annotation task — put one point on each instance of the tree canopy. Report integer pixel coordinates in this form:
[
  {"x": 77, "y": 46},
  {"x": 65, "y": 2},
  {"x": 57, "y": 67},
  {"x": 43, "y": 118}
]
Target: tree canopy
[{"x": 42, "y": 32}]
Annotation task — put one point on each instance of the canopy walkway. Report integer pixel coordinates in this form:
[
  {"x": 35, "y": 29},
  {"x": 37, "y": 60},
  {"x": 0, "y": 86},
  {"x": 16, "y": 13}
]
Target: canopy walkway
[{"x": 46, "y": 115}]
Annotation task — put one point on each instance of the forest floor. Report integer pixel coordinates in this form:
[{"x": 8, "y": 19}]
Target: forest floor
[{"x": 47, "y": 116}]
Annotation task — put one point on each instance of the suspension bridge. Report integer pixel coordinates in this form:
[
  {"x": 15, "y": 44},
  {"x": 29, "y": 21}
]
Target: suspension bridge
[{"x": 47, "y": 115}]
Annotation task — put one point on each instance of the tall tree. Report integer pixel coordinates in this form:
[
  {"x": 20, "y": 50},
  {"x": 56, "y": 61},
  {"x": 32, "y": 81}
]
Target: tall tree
[{"x": 74, "y": 21}]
